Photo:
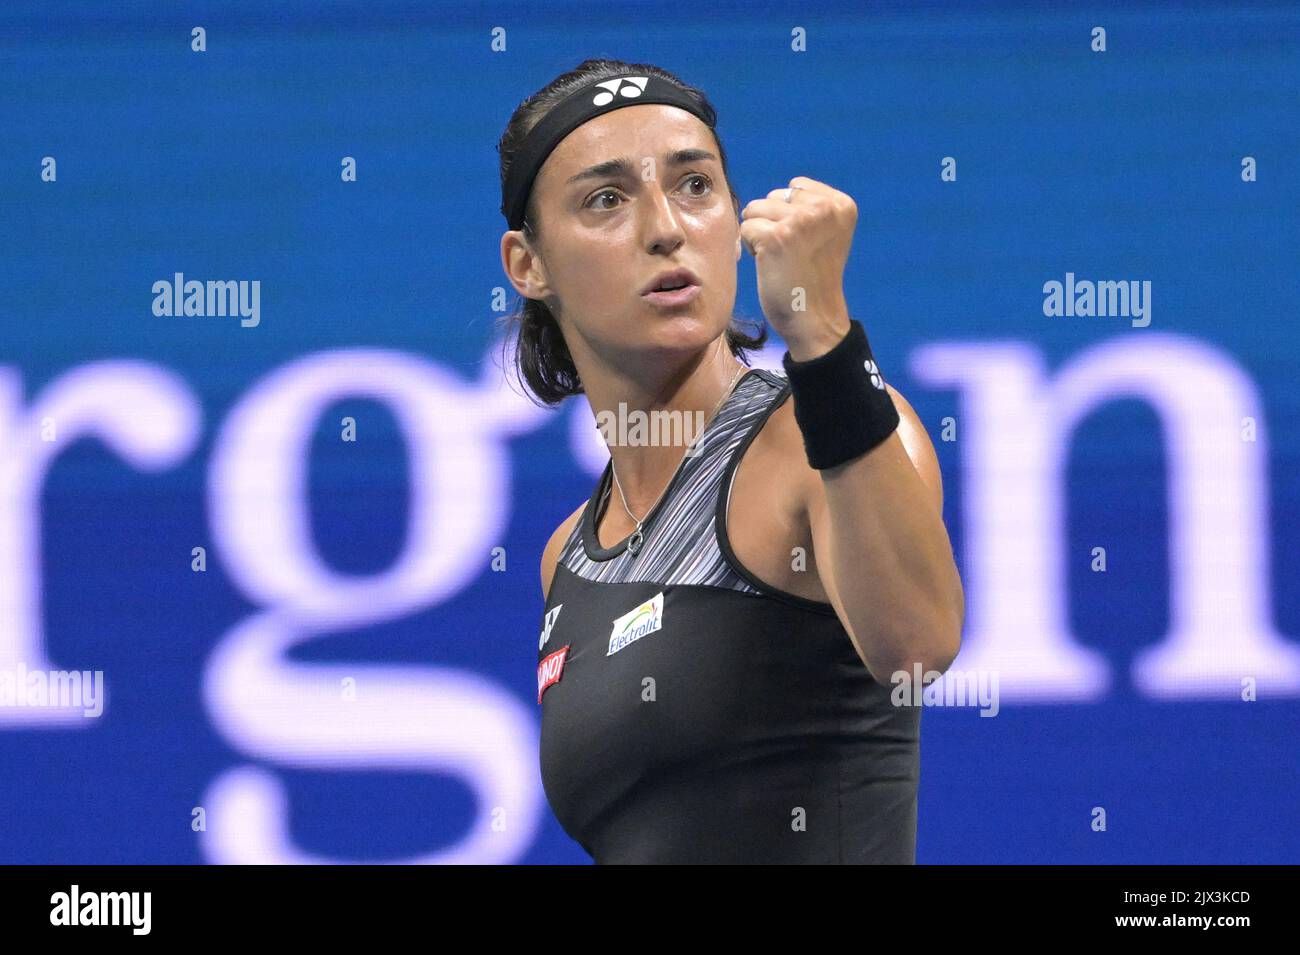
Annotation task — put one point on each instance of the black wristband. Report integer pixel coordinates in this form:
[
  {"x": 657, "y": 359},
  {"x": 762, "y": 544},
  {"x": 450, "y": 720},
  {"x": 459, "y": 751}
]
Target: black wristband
[{"x": 840, "y": 401}]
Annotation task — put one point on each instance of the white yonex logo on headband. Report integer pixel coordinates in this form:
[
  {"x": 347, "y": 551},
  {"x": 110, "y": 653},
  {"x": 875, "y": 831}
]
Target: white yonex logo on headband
[
  {"x": 874, "y": 372},
  {"x": 615, "y": 87}
]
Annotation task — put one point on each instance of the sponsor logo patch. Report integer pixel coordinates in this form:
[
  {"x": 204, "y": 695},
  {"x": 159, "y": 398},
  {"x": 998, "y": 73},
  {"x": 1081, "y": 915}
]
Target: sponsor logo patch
[
  {"x": 636, "y": 623},
  {"x": 549, "y": 670}
]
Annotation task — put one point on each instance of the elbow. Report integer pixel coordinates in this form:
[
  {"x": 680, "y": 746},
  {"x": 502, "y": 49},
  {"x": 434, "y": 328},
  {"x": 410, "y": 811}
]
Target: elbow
[
  {"x": 931, "y": 648},
  {"x": 941, "y": 658},
  {"x": 944, "y": 635},
  {"x": 948, "y": 643}
]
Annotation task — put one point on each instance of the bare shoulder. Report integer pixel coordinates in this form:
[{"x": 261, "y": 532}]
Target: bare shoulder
[{"x": 551, "y": 553}]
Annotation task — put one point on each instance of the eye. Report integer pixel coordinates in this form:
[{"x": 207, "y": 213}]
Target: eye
[
  {"x": 704, "y": 179},
  {"x": 595, "y": 196}
]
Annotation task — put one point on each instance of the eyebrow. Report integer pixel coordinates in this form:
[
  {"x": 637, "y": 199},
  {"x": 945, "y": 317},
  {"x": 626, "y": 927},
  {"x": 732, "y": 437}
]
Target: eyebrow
[{"x": 622, "y": 167}]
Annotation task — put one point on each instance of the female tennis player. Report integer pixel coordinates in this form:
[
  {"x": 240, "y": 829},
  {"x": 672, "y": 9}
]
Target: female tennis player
[{"x": 726, "y": 618}]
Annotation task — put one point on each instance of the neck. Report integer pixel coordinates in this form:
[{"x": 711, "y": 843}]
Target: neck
[{"x": 647, "y": 444}]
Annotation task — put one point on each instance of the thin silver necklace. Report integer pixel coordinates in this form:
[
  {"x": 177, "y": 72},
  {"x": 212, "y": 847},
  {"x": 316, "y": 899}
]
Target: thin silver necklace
[{"x": 634, "y": 542}]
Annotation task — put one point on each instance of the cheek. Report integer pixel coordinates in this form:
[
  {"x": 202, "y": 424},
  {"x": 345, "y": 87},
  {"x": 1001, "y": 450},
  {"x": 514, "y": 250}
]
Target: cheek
[
  {"x": 724, "y": 232},
  {"x": 592, "y": 272},
  {"x": 721, "y": 252}
]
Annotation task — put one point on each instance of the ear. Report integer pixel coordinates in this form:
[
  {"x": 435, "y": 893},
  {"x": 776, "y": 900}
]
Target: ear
[{"x": 522, "y": 265}]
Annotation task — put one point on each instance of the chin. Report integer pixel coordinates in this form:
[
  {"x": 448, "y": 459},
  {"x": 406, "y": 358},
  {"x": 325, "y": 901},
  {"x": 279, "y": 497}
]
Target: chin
[{"x": 684, "y": 331}]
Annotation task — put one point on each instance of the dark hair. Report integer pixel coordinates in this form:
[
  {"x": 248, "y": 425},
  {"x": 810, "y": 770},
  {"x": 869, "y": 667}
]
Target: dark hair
[{"x": 541, "y": 356}]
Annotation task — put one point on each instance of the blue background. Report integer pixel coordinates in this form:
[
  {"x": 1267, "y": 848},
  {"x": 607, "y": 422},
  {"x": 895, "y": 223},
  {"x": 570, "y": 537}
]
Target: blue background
[{"x": 225, "y": 164}]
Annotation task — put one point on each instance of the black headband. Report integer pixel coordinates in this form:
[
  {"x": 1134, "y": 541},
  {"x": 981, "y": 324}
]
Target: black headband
[{"x": 574, "y": 110}]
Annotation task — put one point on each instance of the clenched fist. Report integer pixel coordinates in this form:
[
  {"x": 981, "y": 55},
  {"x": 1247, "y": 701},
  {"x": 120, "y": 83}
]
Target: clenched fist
[{"x": 800, "y": 249}]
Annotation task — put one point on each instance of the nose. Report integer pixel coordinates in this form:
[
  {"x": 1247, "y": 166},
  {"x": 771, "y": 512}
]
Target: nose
[{"x": 663, "y": 227}]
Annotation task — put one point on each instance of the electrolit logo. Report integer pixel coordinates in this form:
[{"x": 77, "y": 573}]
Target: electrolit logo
[{"x": 635, "y": 624}]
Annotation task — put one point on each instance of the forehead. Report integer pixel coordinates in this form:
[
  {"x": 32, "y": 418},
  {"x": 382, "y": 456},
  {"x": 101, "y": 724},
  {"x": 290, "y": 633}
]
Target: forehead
[{"x": 647, "y": 129}]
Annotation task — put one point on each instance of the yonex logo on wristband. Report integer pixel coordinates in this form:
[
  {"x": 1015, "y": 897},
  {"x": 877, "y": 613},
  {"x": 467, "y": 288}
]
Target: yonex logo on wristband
[
  {"x": 874, "y": 372},
  {"x": 615, "y": 87}
]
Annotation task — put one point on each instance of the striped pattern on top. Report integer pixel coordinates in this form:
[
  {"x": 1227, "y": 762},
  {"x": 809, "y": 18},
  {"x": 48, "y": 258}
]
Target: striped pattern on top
[{"x": 681, "y": 544}]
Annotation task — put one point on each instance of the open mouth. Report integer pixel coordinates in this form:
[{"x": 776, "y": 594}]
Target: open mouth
[
  {"x": 673, "y": 294},
  {"x": 675, "y": 286}
]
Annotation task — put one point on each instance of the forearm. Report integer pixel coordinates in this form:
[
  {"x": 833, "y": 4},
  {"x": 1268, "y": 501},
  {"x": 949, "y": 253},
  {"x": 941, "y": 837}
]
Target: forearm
[
  {"x": 881, "y": 546},
  {"x": 891, "y": 562}
]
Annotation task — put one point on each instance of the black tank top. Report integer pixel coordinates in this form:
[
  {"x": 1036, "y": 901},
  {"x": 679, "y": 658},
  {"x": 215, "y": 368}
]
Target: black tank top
[{"x": 692, "y": 713}]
